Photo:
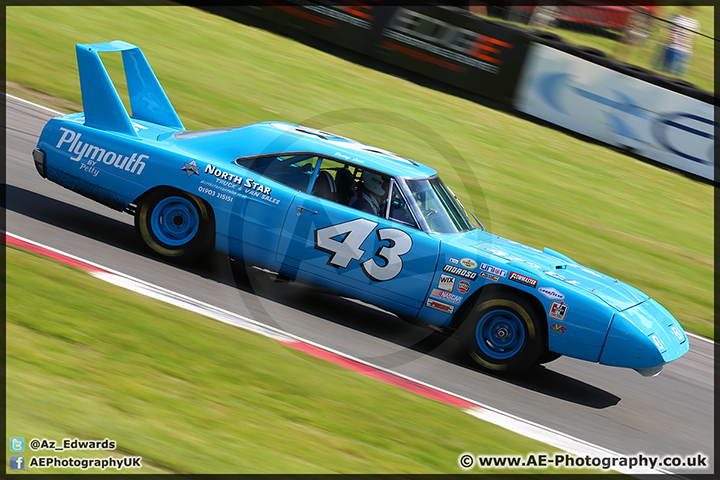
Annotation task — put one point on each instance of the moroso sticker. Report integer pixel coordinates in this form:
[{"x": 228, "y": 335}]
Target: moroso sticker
[
  {"x": 558, "y": 328},
  {"x": 516, "y": 277},
  {"x": 463, "y": 286},
  {"x": 447, "y": 282},
  {"x": 551, "y": 293},
  {"x": 558, "y": 310},
  {"x": 443, "y": 307},
  {"x": 493, "y": 270},
  {"x": 468, "y": 263},
  {"x": 450, "y": 297},
  {"x": 460, "y": 272}
]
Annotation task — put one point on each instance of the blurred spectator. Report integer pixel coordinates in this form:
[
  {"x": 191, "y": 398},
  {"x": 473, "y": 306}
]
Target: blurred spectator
[{"x": 677, "y": 51}]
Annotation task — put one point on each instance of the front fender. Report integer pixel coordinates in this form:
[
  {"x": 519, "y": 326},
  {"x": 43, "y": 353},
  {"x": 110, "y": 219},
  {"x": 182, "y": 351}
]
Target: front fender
[{"x": 644, "y": 337}]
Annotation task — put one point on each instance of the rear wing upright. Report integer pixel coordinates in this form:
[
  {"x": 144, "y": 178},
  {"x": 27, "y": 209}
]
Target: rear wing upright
[{"x": 101, "y": 102}]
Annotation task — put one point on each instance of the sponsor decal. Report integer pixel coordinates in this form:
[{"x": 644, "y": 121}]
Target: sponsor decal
[
  {"x": 551, "y": 293},
  {"x": 558, "y": 328},
  {"x": 229, "y": 182},
  {"x": 493, "y": 270},
  {"x": 516, "y": 277},
  {"x": 453, "y": 260},
  {"x": 558, "y": 310},
  {"x": 447, "y": 282},
  {"x": 494, "y": 278},
  {"x": 452, "y": 298},
  {"x": 191, "y": 169},
  {"x": 468, "y": 263},
  {"x": 93, "y": 155},
  {"x": 460, "y": 272},
  {"x": 463, "y": 286},
  {"x": 443, "y": 307}
]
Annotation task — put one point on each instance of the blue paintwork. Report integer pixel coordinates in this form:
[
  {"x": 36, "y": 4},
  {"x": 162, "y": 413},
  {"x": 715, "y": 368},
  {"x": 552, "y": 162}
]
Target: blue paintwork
[{"x": 109, "y": 156}]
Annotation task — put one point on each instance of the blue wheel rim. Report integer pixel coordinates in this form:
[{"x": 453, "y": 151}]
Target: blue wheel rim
[
  {"x": 174, "y": 221},
  {"x": 500, "y": 334}
]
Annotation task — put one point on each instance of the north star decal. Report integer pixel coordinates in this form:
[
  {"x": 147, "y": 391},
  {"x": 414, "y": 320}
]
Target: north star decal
[
  {"x": 230, "y": 177},
  {"x": 222, "y": 175},
  {"x": 191, "y": 169},
  {"x": 460, "y": 272},
  {"x": 97, "y": 154}
]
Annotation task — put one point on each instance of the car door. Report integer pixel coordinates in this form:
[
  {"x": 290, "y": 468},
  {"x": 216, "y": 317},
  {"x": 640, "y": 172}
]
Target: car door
[
  {"x": 389, "y": 263},
  {"x": 265, "y": 195}
]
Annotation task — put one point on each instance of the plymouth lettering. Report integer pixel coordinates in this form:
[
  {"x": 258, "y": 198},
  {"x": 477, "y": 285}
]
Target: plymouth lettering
[{"x": 79, "y": 150}]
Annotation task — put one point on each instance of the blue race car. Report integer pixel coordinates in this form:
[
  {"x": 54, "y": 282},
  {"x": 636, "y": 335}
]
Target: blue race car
[{"x": 352, "y": 218}]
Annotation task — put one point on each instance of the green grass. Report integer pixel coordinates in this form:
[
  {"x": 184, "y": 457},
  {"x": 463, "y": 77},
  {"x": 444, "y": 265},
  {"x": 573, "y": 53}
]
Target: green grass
[
  {"x": 88, "y": 360},
  {"x": 701, "y": 71},
  {"x": 644, "y": 225}
]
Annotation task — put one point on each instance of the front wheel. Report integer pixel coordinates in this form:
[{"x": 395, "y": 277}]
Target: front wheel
[
  {"x": 503, "y": 335},
  {"x": 175, "y": 225}
]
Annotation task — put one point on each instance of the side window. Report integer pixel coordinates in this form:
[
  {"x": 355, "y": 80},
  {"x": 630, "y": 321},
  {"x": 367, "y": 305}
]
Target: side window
[
  {"x": 292, "y": 170},
  {"x": 336, "y": 181},
  {"x": 399, "y": 210},
  {"x": 365, "y": 190}
]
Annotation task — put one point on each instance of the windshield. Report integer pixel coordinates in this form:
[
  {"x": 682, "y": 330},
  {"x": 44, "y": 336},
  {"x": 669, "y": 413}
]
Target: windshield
[{"x": 442, "y": 210}]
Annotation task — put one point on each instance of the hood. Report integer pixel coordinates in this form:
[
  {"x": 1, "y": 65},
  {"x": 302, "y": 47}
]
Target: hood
[{"x": 499, "y": 251}]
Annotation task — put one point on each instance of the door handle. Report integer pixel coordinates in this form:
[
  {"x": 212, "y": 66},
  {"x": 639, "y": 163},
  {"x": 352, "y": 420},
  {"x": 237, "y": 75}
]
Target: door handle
[{"x": 303, "y": 209}]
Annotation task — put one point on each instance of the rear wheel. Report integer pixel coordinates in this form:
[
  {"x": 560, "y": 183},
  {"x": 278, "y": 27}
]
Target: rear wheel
[
  {"x": 175, "y": 225},
  {"x": 503, "y": 335}
]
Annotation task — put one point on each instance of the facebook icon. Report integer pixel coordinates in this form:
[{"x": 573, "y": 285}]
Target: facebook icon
[{"x": 17, "y": 462}]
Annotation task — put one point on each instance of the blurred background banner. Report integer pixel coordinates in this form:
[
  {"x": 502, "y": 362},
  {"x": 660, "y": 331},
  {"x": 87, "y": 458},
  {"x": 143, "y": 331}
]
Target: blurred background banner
[
  {"x": 659, "y": 111},
  {"x": 446, "y": 44},
  {"x": 617, "y": 109},
  {"x": 457, "y": 48},
  {"x": 350, "y": 24}
]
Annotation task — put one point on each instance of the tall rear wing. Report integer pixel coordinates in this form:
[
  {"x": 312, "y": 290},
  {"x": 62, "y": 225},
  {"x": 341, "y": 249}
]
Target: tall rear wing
[{"x": 101, "y": 102}]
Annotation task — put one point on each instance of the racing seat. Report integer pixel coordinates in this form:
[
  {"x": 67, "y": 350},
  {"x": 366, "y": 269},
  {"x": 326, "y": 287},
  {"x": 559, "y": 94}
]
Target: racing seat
[
  {"x": 324, "y": 186},
  {"x": 345, "y": 184}
]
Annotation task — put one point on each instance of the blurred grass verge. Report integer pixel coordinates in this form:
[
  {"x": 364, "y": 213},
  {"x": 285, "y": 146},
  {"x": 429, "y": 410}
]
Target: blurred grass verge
[
  {"x": 88, "y": 360},
  {"x": 637, "y": 222}
]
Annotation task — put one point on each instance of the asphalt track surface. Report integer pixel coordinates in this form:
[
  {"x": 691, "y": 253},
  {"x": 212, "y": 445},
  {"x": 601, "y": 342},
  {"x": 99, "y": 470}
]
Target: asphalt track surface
[{"x": 671, "y": 414}]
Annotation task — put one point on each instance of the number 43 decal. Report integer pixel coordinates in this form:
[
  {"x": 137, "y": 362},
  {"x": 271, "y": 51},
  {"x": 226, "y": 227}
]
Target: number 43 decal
[{"x": 347, "y": 248}]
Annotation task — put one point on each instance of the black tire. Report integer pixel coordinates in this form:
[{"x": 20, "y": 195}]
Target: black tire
[
  {"x": 636, "y": 71},
  {"x": 176, "y": 225},
  {"x": 503, "y": 334}
]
